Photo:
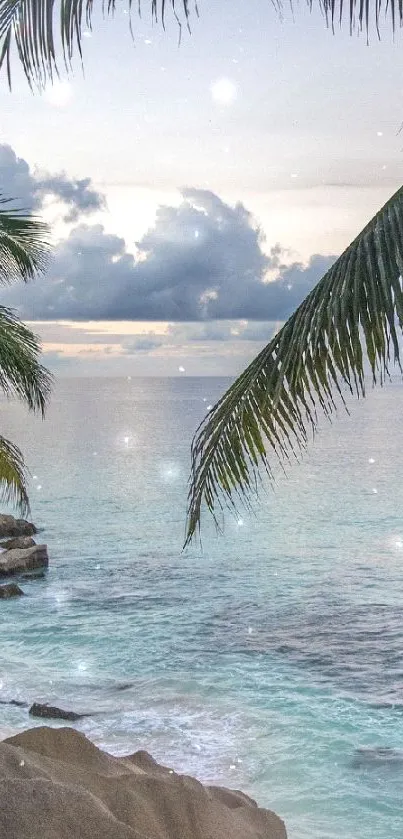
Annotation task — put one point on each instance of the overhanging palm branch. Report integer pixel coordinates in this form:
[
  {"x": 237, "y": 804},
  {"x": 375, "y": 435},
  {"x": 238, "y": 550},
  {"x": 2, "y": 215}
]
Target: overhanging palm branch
[
  {"x": 24, "y": 244},
  {"x": 21, "y": 374},
  {"x": 32, "y": 25},
  {"x": 24, "y": 252},
  {"x": 13, "y": 486},
  {"x": 271, "y": 410}
]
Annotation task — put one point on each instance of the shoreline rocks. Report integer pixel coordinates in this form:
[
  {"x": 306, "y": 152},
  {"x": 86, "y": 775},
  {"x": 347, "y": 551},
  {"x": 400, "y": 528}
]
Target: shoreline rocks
[
  {"x": 21, "y": 560},
  {"x": 56, "y": 784},
  {"x": 10, "y": 526},
  {"x": 376, "y": 756},
  {"x": 53, "y": 713},
  {"x": 19, "y": 554},
  {"x": 18, "y": 542},
  {"x": 10, "y": 590}
]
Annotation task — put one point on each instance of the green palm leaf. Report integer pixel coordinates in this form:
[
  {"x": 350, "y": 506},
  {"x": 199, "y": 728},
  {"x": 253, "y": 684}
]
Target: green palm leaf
[
  {"x": 354, "y": 311},
  {"x": 33, "y": 24},
  {"x": 24, "y": 253},
  {"x": 13, "y": 487},
  {"x": 40, "y": 29},
  {"x": 24, "y": 244},
  {"x": 21, "y": 374}
]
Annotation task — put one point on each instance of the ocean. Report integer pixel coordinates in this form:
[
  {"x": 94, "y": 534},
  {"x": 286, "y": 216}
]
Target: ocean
[{"x": 271, "y": 659}]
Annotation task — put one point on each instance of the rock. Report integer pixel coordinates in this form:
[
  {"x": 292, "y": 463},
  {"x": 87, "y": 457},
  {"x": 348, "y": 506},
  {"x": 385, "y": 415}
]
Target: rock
[
  {"x": 37, "y": 574},
  {"x": 52, "y": 713},
  {"x": 9, "y": 526},
  {"x": 20, "y": 560},
  {"x": 10, "y": 590},
  {"x": 55, "y": 784},
  {"x": 18, "y": 542},
  {"x": 377, "y": 756}
]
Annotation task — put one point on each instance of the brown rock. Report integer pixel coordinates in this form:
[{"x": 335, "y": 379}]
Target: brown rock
[
  {"x": 18, "y": 542},
  {"x": 52, "y": 713},
  {"x": 10, "y": 590},
  {"x": 20, "y": 560},
  {"x": 9, "y": 526},
  {"x": 57, "y": 785}
]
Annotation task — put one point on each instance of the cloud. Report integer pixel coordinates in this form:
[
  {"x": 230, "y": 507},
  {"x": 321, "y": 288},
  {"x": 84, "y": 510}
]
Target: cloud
[
  {"x": 231, "y": 330},
  {"x": 205, "y": 333},
  {"x": 146, "y": 343},
  {"x": 30, "y": 189},
  {"x": 202, "y": 260},
  {"x": 77, "y": 195}
]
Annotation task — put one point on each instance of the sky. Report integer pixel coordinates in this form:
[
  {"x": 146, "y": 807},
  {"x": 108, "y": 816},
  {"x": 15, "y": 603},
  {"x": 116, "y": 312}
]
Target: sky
[{"x": 197, "y": 191}]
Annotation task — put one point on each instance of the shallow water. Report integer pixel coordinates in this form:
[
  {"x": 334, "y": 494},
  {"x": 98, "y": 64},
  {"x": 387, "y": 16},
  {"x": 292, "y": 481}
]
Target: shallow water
[{"x": 263, "y": 662}]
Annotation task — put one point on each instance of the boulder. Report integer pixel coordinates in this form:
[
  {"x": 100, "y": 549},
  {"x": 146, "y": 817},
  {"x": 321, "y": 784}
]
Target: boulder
[
  {"x": 377, "y": 756},
  {"x": 55, "y": 784},
  {"x": 20, "y": 560},
  {"x": 53, "y": 713},
  {"x": 9, "y": 526},
  {"x": 10, "y": 590},
  {"x": 18, "y": 542}
]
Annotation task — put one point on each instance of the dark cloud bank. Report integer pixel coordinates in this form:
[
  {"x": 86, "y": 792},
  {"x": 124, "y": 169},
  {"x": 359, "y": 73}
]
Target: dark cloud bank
[
  {"x": 29, "y": 189},
  {"x": 202, "y": 260}
]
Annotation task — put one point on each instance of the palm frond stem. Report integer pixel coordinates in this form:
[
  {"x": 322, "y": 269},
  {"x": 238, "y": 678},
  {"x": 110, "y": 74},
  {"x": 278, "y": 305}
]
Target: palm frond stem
[{"x": 351, "y": 315}]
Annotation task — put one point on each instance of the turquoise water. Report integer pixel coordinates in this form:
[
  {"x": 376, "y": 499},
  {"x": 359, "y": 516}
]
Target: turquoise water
[{"x": 263, "y": 662}]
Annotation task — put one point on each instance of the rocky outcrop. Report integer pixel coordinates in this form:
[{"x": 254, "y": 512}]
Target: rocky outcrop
[
  {"x": 10, "y": 590},
  {"x": 377, "y": 756},
  {"x": 18, "y": 542},
  {"x": 9, "y": 526},
  {"x": 20, "y": 560},
  {"x": 53, "y": 713},
  {"x": 55, "y": 784}
]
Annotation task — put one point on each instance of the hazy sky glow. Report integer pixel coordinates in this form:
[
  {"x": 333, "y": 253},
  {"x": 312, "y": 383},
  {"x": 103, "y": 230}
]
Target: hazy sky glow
[{"x": 198, "y": 192}]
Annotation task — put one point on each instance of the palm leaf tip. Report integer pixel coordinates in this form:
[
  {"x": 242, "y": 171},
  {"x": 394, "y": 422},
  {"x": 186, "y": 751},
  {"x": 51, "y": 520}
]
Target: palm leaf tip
[
  {"x": 354, "y": 313},
  {"x": 21, "y": 373},
  {"x": 360, "y": 14},
  {"x": 24, "y": 245},
  {"x": 36, "y": 25},
  {"x": 13, "y": 483}
]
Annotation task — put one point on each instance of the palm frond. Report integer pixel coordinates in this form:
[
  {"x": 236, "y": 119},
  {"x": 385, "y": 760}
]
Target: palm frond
[
  {"x": 24, "y": 244},
  {"x": 353, "y": 312},
  {"x": 32, "y": 25},
  {"x": 361, "y": 14},
  {"x": 13, "y": 485},
  {"x": 21, "y": 374}
]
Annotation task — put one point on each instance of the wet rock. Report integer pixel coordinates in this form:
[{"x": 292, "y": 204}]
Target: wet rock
[
  {"x": 18, "y": 542},
  {"x": 20, "y": 560},
  {"x": 53, "y": 713},
  {"x": 377, "y": 756},
  {"x": 17, "y": 702},
  {"x": 10, "y": 590},
  {"x": 10, "y": 526},
  {"x": 37, "y": 574}
]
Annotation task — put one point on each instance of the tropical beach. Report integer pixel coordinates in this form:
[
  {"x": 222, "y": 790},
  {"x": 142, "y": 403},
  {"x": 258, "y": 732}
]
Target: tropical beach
[
  {"x": 201, "y": 220},
  {"x": 281, "y": 680}
]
